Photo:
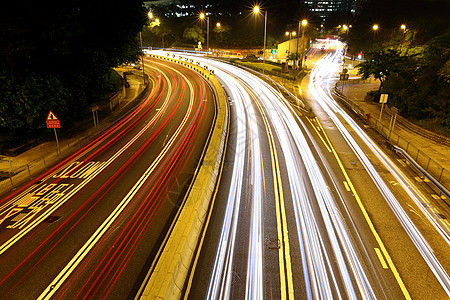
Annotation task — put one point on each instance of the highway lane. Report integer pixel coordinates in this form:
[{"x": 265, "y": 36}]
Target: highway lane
[
  {"x": 90, "y": 226},
  {"x": 341, "y": 239},
  {"x": 307, "y": 245},
  {"x": 415, "y": 219}
]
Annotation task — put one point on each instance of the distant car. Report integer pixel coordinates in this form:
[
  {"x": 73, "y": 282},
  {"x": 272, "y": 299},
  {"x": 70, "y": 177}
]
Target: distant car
[{"x": 323, "y": 48}]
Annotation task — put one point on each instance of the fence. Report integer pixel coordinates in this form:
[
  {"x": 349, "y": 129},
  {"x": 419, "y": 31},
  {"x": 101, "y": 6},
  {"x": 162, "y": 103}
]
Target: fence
[
  {"x": 14, "y": 171},
  {"x": 427, "y": 163}
]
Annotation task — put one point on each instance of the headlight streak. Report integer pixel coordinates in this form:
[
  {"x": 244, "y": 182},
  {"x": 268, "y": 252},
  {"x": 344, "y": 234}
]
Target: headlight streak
[
  {"x": 330, "y": 214},
  {"x": 221, "y": 275},
  {"x": 325, "y": 69},
  {"x": 316, "y": 260}
]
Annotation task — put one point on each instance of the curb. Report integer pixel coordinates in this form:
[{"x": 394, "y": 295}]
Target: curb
[{"x": 170, "y": 273}]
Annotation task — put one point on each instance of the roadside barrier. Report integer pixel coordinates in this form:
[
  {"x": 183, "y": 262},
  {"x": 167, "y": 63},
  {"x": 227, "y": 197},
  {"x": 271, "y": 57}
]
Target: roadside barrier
[
  {"x": 429, "y": 165},
  {"x": 166, "y": 280}
]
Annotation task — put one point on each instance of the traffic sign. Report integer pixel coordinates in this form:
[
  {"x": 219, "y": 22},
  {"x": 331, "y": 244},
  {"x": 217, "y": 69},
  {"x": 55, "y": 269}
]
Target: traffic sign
[
  {"x": 52, "y": 121},
  {"x": 383, "y": 98}
]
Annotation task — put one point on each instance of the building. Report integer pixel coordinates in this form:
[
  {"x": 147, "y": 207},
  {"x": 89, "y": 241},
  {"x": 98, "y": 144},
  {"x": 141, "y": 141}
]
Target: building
[{"x": 324, "y": 7}]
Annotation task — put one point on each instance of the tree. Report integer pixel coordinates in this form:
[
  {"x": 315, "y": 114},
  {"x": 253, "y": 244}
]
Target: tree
[
  {"x": 59, "y": 56},
  {"x": 194, "y": 34},
  {"x": 222, "y": 33},
  {"x": 382, "y": 63}
]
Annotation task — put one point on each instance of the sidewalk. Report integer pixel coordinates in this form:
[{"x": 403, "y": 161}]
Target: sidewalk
[
  {"x": 429, "y": 154},
  {"x": 33, "y": 161}
]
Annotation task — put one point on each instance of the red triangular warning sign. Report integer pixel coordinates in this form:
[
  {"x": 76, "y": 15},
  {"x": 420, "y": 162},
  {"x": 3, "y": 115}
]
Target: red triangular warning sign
[{"x": 51, "y": 116}]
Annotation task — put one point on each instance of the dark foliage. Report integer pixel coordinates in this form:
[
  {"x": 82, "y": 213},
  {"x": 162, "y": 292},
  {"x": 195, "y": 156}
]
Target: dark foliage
[{"x": 58, "y": 56}]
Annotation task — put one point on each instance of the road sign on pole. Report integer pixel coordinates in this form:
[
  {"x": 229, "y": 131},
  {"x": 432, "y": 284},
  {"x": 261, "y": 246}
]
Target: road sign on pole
[
  {"x": 53, "y": 122},
  {"x": 383, "y": 100}
]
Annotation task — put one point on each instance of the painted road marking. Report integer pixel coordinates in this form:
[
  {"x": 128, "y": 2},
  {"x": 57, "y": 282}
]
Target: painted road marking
[
  {"x": 372, "y": 227},
  {"x": 346, "y": 186},
  {"x": 381, "y": 258},
  {"x": 284, "y": 255}
]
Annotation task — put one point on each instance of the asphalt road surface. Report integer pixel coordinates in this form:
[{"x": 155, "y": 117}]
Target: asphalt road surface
[
  {"x": 89, "y": 227},
  {"x": 309, "y": 207}
]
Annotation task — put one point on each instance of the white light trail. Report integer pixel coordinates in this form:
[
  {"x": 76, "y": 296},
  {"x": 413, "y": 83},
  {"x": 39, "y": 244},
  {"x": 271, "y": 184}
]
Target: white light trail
[
  {"x": 308, "y": 190},
  {"x": 323, "y": 71}
]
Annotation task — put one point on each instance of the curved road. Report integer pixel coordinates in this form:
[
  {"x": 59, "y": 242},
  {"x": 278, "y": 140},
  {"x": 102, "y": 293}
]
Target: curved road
[
  {"x": 301, "y": 211},
  {"x": 89, "y": 227}
]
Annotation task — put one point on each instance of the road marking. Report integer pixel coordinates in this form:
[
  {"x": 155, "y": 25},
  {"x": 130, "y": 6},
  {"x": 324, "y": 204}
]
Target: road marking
[
  {"x": 381, "y": 258},
  {"x": 320, "y": 136},
  {"x": 346, "y": 186},
  {"x": 91, "y": 243},
  {"x": 372, "y": 227},
  {"x": 284, "y": 256}
]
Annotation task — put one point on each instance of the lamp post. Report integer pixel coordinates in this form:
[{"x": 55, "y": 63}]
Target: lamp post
[
  {"x": 374, "y": 28},
  {"x": 203, "y": 16},
  {"x": 150, "y": 16},
  {"x": 403, "y": 27},
  {"x": 304, "y": 24},
  {"x": 256, "y": 10},
  {"x": 290, "y": 34}
]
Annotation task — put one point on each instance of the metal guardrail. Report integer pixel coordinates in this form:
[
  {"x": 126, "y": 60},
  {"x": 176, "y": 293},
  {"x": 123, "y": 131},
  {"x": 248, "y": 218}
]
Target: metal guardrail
[
  {"x": 421, "y": 131},
  {"x": 408, "y": 124},
  {"x": 421, "y": 170},
  {"x": 434, "y": 168}
]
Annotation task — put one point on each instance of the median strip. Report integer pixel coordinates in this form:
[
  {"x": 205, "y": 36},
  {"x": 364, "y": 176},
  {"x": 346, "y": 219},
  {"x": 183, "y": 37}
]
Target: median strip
[{"x": 168, "y": 277}]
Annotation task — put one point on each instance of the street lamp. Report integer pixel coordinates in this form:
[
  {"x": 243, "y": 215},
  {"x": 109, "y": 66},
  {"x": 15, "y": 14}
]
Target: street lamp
[
  {"x": 374, "y": 28},
  {"x": 290, "y": 34},
  {"x": 256, "y": 10},
  {"x": 303, "y": 24},
  {"x": 347, "y": 29},
  {"x": 203, "y": 16},
  {"x": 150, "y": 16},
  {"x": 403, "y": 27}
]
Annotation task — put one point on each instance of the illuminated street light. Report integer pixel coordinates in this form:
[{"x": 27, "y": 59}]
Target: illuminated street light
[
  {"x": 403, "y": 27},
  {"x": 303, "y": 24},
  {"x": 203, "y": 16},
  {"x": 374, "y": 28},
  {"x": 256, "y": 11},
  {"x": 290, "y": 34},
  {"x": 218, "y": 24},
  {"x": 150, "y": 16}
]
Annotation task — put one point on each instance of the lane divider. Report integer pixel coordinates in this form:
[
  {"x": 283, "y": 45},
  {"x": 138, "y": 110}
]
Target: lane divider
[{"x": 167, "y": 279}]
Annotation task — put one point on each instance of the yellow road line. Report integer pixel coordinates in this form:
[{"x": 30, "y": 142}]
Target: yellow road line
[
  {"x": 371, "y": 226},
  {"x": 380, "y": 257},
  {"x": 346, "y": 186},
  {"x": 284, "y": 256},
  {"x": 320, "y": 136}
]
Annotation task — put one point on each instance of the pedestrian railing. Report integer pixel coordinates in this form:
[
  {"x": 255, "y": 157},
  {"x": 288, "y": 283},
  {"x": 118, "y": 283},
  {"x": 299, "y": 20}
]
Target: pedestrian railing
[{"x": 428, "y": 164}]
